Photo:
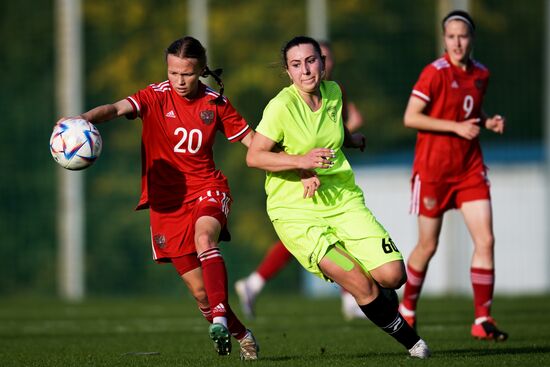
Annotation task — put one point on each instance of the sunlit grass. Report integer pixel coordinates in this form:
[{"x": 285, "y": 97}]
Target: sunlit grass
[{"x": 292, "y": 331}]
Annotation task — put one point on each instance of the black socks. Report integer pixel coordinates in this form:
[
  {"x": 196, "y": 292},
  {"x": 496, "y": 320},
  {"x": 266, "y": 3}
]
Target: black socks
[{"x": 383, "y": 313}]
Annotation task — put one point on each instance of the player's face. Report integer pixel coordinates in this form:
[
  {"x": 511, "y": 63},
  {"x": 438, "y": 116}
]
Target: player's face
[
  {"x": 458, "y": 41},
  {"x": 329, "y": 61},
  {"x": 304, "y": 67},
  {"x": 183, "y": 74}
]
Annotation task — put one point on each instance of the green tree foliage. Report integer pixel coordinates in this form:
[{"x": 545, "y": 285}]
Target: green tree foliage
[
  {"x": 509, "y": 42},
  {"x": 27, "y": 214}
]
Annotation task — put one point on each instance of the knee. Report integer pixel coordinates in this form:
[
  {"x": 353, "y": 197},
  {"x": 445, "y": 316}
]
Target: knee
[
  {"x": 393, "y": 281},
  {"x": 198, "y": 291},
  {"x": 199, "y": 294},
  {"x": 487, "y": 241},
  {"x": 392, "y": 275},
  {"x": 399, "y": 280},
  {"x": 485, "y": 244},
  {"x": 427, "y": 247},
  {"x": 203, "y": 242}
]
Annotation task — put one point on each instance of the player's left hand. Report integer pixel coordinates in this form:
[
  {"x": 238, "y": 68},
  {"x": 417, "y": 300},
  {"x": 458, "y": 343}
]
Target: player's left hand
[
  {"x": 496, "y": 124},
  {"x": 310, "y": 181},
  {"x": 358, "y": 140}
]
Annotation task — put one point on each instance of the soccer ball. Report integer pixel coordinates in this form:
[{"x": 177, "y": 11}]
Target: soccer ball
[{"x": 75, "y": 144}]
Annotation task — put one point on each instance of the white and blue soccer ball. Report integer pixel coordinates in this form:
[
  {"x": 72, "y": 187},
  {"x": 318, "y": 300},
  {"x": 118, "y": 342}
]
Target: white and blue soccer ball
[{"x": 75, "y": 144}]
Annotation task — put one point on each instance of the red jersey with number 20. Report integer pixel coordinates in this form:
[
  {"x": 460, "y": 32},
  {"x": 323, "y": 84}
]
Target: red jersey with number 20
[
  {"x": 451, "y": 93},
  {"x": 177, "y": 139}
]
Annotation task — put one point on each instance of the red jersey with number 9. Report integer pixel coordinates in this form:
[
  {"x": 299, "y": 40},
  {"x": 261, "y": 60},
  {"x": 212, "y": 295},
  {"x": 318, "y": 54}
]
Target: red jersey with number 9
[
  {"x": 177, "y": 139},
  {"x": 451, "y": 93}
]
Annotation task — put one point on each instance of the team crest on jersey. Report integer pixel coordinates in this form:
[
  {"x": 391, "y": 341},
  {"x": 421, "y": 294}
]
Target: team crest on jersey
[
  {"x": 478, "y": 83},
  {"x": 429, "y": 202},
  {"x": 331, "y": 112},
  {"x": 160, "y": 240},
  {"x": 207, "y": 116}
]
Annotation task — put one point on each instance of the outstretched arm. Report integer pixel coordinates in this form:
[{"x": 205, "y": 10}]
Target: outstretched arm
[{"x": 106, "y": 112}]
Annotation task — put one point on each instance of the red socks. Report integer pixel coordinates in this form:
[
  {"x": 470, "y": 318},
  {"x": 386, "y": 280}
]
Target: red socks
[
  {"x": 275, "y": 259},
  {"x": 415, "y": 279},
  {"x": 215, "y": 280},
  {"x": 206, "y": 313},
  {"x": 483, "y": 284}
]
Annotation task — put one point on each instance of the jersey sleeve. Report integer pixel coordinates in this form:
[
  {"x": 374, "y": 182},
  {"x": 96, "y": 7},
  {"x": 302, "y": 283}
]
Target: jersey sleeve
[
  {"x": 140, "y": 102},
  {"x": 427, "y": 85},
  {"x": 270, "y": 125},
  {"x": 233, "y": 125}
]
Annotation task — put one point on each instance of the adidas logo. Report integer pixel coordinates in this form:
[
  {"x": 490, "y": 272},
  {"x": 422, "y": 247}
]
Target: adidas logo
[
  {"x": 219, "y": 309},
  {"x": 171, "y": 114},
  {"x": 454, "y": 84}
]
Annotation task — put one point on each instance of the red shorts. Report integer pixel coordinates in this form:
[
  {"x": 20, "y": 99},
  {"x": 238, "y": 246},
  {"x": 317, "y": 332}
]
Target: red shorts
[
  {"x": 186, "y": 263},
  {"x": 432, "y": 199},
  {"x": 173, "y": 230}
]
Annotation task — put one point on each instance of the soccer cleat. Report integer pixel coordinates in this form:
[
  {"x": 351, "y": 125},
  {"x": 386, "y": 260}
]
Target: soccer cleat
[
  {"x": 420, "y": 350},
  {"x": 408, "y": 315},
  {"x": 249, "y": 347},
  {"x": 487, "y": 330},
  {"x": 246, "y": 298},
  {"x": 221, "y": 338}
]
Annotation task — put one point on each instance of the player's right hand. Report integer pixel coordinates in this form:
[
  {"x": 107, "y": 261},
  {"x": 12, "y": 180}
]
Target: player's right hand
[{"x": 468, "y": 129}]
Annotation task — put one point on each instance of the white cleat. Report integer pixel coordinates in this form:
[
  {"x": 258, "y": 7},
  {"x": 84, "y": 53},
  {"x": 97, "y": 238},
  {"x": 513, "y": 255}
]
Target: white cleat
[
  {"x": 246, "y": 298},
  {"x": 249, "y": 347},
  {"x": 420, "y": 350}
]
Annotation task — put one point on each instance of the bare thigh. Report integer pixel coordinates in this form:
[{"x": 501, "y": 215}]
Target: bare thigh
[{"x": 354, "y": 280}]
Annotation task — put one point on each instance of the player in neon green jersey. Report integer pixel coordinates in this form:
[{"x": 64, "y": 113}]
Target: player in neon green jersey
[
  {"x": 277, "y": 256},
  {"x": 315, "y": 206}
]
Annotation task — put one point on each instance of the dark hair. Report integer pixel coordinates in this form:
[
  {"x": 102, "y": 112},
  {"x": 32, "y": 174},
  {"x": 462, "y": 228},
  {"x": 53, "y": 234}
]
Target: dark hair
[
  {"x": 459, "y": 15},
  {"x": 300, "y": 40},
  {"x": 189, "y": 47}
]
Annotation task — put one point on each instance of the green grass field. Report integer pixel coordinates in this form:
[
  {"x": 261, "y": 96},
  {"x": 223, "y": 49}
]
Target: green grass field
[{"x": 292, "y": 331}]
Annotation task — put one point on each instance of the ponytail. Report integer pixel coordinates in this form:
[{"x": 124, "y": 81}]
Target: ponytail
[{"x": 216, "y": 74}]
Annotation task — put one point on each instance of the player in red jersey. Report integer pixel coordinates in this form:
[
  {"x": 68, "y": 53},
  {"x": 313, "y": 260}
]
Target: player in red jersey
[
  {"x": 277, "y": 256},
  {"x": 187, "y": 197},
  {"x": 448, "y": 170}
]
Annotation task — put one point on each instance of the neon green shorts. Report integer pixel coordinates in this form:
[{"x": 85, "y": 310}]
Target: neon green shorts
[{"x": 357, "y": 231}]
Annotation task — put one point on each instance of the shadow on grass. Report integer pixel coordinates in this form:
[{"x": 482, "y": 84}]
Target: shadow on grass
[
  {"x": 497, "y": 351},
  {"x": 463, "y": 352}
]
